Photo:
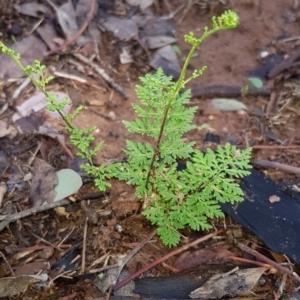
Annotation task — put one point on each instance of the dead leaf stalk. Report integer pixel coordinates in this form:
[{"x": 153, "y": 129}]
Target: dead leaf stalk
[
  {"x": 277, "y": 266},
  {"x": 249, "y": 261},
  {"x": 102, "y": 73},
  {"x": 276, "y": 165}
]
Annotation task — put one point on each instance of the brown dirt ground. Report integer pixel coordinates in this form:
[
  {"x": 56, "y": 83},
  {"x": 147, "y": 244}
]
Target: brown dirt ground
[{"x": 228, "y": 55}]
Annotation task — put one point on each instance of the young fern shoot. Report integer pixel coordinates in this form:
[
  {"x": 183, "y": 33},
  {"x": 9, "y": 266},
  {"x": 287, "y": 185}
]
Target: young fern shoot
[
  {"x": 81, "y": 138},
  {"x": 173, "y": 199}
]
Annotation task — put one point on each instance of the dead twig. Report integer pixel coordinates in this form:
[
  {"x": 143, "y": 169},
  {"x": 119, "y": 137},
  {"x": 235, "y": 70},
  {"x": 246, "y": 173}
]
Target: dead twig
[
  {"x": 281, "y": 286},
  {"x": 33, "y": 211},
  {"x": 274, "y": 264},
  {"x": 290, "y": 39},
  {"x": 189, "y": 5},
  {"x": 36, "y": 247},
  {"x": 271, "y": 106},
  {"x": 43, "y": 240},
  {"x": 71, "y": 77},
  {"x": 15, "y": 95},
  {"x": 170, "y": 268},
  {"x": 102, "y": 73},
  {"x": 3, "y": 190},
  {"x": 61, "y": 243},
  {"x": 168, "y": 5},
  {"x": 72, "y": 248},
  {"x": 272, "y": 147},
  {"x": 276, "y": 165},
  {"x": 249, "y": 261},
  {"x": 134, "y": 251},
  {"x": 83, "y": 205},
  {"x": 172, "y": 14},
  {"x": 35, "y": 26},
  {"x": 6, "y": 219},
  {"x": 77, "y": 78},
  {"x": 162, "y": 259},
  {"x": 80, "y": 31},
  {"x": 122, "y": 262},
  {"x": 103, "y": 269},
  {"x": 9, "y": 266}
]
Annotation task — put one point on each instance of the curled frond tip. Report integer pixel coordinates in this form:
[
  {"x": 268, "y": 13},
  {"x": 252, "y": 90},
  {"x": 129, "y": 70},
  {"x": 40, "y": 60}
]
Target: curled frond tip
[{"x": 229, "y": 19}]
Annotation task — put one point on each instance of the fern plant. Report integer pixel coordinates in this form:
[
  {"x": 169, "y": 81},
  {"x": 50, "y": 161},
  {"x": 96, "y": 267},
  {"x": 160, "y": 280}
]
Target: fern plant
[
  {"x": 172, "y": 199},
  {"x": 81, "y": 138}
]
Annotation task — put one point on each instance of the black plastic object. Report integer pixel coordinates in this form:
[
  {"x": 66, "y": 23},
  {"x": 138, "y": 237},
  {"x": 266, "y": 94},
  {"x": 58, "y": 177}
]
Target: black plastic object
[
  {"x": 278, "y": 223},
  {"x": 212, "y": 138},
  {"x": 178, "y": 286},
  {"x": 66, "y": 263},
  {"x": 174, "y": 287},
  {"x": 269, "y": 62}
]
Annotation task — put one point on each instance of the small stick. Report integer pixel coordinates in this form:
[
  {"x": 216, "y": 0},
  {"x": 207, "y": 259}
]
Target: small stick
[
  {"x": 162, "y": 259},
  {"x": 32, "y": 211},
  {"x": 122, "y": 262},
  {"x": 6, "y": 219},
  {"x": 71, "y": 77},
  {"x": 168, "y": 5},
  {"x": 276, "y": 165},
  {"x": 75, "y": 246},
  {"x": 277, "y": 266},
  {"x": 103, "y": 269},
  {"x": 189, "y": 4},
  {"x": 170, "y": 268},
  {"x": 172, "y": 14},
  {"x": 134, "y": 251},
  {"x": 43, "y": 240},
  {"x": 249, "y": 261},
  {"x": 272, "y": 103},
  {"x": 20, "y": 89},
  {"x": 36, "y": 26},
  {"x": 291, "y": 39},
  {"x": 84, "y": 236},
  {"x": 3, "y": 190},
  {"x": 61, "y": 243},
  {"x": 9, "y": 266},
  {"x": 102, "y": 73},
  {"x": 15, "y": 95},
  {"x": 36, "y": 247},
  {"x": 281, "y": 286},
  {"x": 273, "y": 147}
]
